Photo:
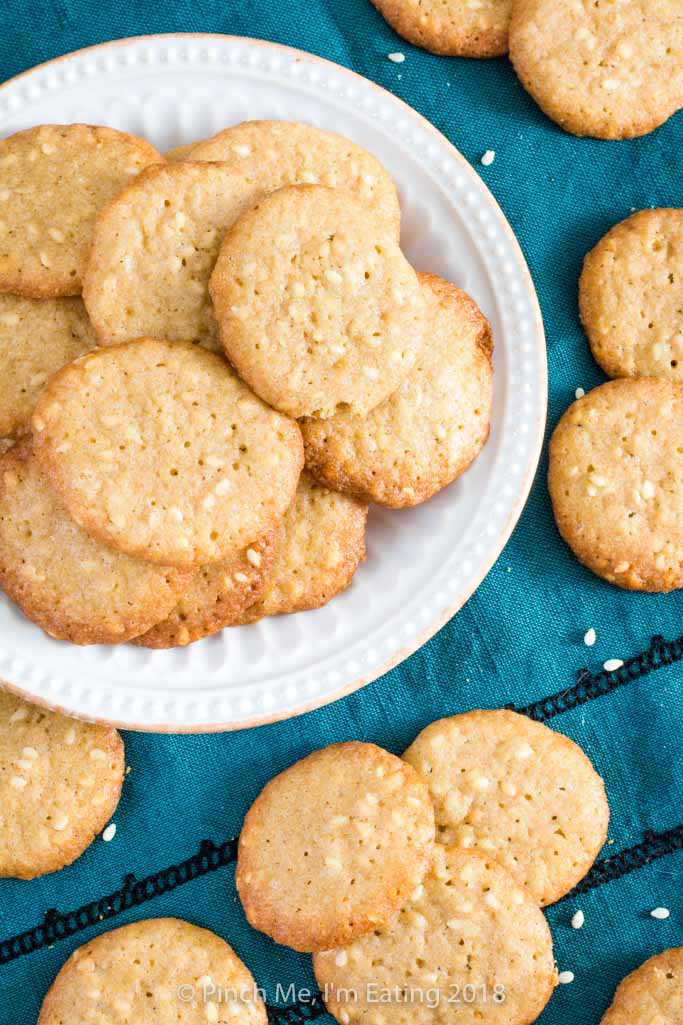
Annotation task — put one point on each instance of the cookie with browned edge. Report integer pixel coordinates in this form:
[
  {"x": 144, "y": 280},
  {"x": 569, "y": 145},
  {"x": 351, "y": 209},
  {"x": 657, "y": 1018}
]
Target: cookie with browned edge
[
  {"x": 454, "y": 28},
  {"x": 652, "y": 994}
]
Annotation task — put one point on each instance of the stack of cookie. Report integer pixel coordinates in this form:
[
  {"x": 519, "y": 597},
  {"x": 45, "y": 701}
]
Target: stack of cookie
[
  {"x": 155, "y": 491},
  {"x": 616, "y": 460}
]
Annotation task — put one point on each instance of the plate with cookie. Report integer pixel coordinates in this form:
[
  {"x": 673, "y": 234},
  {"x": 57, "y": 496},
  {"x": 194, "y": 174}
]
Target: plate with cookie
[{"x": 274, "y": 382}]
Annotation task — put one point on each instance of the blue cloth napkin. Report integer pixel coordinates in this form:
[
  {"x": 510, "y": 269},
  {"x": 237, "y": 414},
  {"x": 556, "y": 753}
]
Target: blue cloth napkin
[{"x": 518, "y": 640}]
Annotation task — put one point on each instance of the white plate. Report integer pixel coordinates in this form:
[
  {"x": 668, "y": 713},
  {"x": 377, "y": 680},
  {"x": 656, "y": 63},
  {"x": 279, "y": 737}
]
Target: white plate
[{"x": 423, "y": 563}]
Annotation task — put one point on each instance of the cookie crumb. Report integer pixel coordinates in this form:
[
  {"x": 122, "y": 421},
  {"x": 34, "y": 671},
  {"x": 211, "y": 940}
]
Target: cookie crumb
[
  {"x": 589, "y": 637},
  {"x": 612, "y": 664},
  {"x": 579, "y": 393},
  {"x": 109, "y": 833},
  {"x": 660, "y": 913},
  {"x": 564, "y": 978},
  {"x": 396, "y": 58},
  {"x": 488, "y": 157},
  {"x": 578, "y": 919}
]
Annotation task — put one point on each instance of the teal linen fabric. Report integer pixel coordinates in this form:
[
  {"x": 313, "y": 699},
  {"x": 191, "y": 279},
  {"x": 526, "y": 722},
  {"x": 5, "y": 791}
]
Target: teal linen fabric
[{"x": 518, "y": 639}]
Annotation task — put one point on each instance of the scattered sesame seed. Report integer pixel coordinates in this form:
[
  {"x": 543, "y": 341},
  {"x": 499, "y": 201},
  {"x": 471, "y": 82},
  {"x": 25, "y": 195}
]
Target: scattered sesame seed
[
  {"x": 397, "y": 58},
  {"x": 578, "y": 919},
  {"x": 612, "y": 664},
  {"x": 660, "y": 913},
  {"x": 488, "y": 157},
  {"x": 589, "y": 637},
  {"x": 579, "y": 393},
  {"x": 564, "y": 978},
  {"x": 109, "y": 833}
]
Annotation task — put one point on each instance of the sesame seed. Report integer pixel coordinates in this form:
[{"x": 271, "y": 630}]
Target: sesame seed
[
  {"x": 60, "y": 821},
  {"x": 18, "y": 782},
  {"x": 564, "y": 978},
  {"x": 241, "y": 578},
  {"x": 612, "y": 664},
  {"x": 578, "y": 919},
  {"x": 109, "y": 833},
  {"x": 488, "y": 157},
  {"x": 660, "y": 913},
  {"x": 341, "y": 958},
  {"x": 589, "y": 637},
  {"x": 253, "y": 557},
  {"x": 396, "y": 58},
  {"x": 579, "y": 393}
]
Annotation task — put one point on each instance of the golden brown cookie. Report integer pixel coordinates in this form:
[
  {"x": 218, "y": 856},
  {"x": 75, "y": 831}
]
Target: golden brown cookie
[
  {"x": 333, "y": 846},
  {"x": 154, "y": 247},
  {"x": 317, "y": 306},
  {"x": 470, "y": 946},
  {"x": 517, "y": 791},
  {"x": 609, "y": 70},
  {"x": 54, "y": 180},
  {"x": 218, "y": 596},
  {"x": 320, "y": 544},
  {"x": 434, "y": 425},
  {"x": 631, "y": 296},
  {"x": 60, "y": 781},
  {"x": 37, "y": 337},
  {"x": 154, "y": 971},
  {"x": 159, "y": 450},
  {"x": 652, "y": 994},
  {"x": 455, "y": 28},
  {"x": 278, "y": 153},
  {"x": 73, "y": 587},
  {"x": 616, "y": 482},
  {"x": 178, "y": 153}
]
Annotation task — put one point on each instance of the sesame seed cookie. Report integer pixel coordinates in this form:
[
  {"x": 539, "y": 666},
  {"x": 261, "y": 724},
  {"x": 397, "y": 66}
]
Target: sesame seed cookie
[
  {"x": 159, "y": 450},
  {"x": 652, "y": 994},
  {"x": 217, "y": 597},
  {"x": 37, "y": 337},
  {"x": 54, "y": 180},
  {"x": 316, "y": 304},
  {"x": 433, "y": 426},
  {"x": 154, "y": 247},
  {"x": 518, "y": 791},
  {"x": 469, "y": 946},
  {"x": 320, "y": 544},
  {"x": 333, "y": 846},
  {"x": 279, "y": 153},
  {"x": 60, "y": 781},
  {"x": 454, "y": 28},
  {"x": 615, "y": 479},
  {"x": 73, "y": 587},
  {"x": 178, "y": 153},
  {"x": 156, "y": 970},
  {"x": 631, "y": 296},
  {"x": 608, "y": 70}
]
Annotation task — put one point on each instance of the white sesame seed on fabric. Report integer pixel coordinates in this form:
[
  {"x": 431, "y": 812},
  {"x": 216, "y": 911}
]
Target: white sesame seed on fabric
[
  {"x": 396, "y": 58},
  {"x": 579, "y": 393},
  {"x": 488, "y": 157},
  {"x": 109, "y": 833},
  {"x": 660, "y": 913},
  {"x": 578, "y": 919},
  {"x": 589, "y": 637},
  {"x": 564, "y": 978},
  {"x": 612, "y": 664}
]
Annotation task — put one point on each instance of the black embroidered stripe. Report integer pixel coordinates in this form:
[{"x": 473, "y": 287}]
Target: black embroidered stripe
[
  {"x": 595, "y": 685},
  {"x": 60, "y": 925},
  {"x": 296, "y": 1014}
]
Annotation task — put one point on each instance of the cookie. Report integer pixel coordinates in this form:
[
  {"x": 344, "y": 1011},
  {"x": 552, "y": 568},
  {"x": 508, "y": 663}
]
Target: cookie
[
  {"x": 320, "y": 544},
  {"x": 454, "y": 28},
  {"x": 37, "y": 337},
  {"x": 159, "y": 450},
  {"x": 516, "y": 791},
  {"x": 609, "y": 70},
  {"x": 154, "y": 247},
  {"x": 470, "y": 946},
  {"x": 631, "y": 296},
  {"x": 429, "y": 431},
  {"x": 316, "y": 304},
  {"x": 60, "y": 781},
  {"x": 217, "y": 597},
  {"x": 156, "y": 970},
  {"x": 651, "y": 995},
  {"x": 54, "y": 180},
  {"x": 333, "y": 846},
  {"x": 178, "y": 153},
  {"x": 279, "y": 153},
  {"x": 616, "y": 482},
  {"x": 73, "y": 587}
]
